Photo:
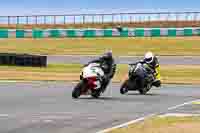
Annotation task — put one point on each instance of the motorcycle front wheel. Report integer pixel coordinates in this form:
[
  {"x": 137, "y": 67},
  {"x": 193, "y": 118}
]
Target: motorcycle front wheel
[
  {"x": 124, "y": 87},
  {"x": 77, "y": 90},
  {"x": 95, "y": 94}
]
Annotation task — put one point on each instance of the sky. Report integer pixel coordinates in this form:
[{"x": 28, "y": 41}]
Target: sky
[{"x": 30, "y": 7}]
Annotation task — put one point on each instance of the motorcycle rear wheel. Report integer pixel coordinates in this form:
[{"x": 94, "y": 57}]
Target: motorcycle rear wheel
[
  {"x": 142, "y": 91},
  {"x": 145, "y": 90}
]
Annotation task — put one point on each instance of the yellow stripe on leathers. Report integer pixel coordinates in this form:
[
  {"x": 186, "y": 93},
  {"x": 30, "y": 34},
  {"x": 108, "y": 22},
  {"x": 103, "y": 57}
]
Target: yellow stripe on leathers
[
  {"x": 196, "y": 102},
  {"x": 157, "y": 74},
  {"x": 157, "y": 71}
]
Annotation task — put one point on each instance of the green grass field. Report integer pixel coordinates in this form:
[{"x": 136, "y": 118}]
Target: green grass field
[
  {"x": 70, "y": 72},
  {"x": 163, "y": 125},
  {"x": 95, "y": 46}
]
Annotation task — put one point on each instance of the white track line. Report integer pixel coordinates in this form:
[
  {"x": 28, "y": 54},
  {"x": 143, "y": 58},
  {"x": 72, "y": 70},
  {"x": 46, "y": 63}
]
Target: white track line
[
  {"x": 180, "y": 105},
  {"x": 145, "y": 117},
  {"x": 125, "y": 124},
  {"x": 17, "y": 81},
  {"x": 4, "y": 115},
  {"x": 177, "y": 115},
  {"x": 8, "y": 81}
]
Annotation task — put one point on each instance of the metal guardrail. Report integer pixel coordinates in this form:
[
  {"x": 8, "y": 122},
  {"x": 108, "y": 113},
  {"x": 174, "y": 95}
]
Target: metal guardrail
[{"x": 100, "y": 18}]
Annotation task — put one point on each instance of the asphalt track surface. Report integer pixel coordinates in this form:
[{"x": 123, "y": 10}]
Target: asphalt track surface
[
  {"x": 47, "y": 107},
  {"x": 170, "y": 60}
]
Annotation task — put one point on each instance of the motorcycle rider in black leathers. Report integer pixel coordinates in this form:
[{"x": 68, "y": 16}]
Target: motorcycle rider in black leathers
[
  {"x": 108, "y": 65},
  {"x": 151, "y": 63}
]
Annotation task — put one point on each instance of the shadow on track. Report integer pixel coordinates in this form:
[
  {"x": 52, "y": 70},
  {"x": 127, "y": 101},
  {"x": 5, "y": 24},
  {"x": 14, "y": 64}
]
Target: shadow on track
[
  {"x": 101, "y": 98},
  {"x": 122, "y": 98},
  {"x": 148, "y": 94}
]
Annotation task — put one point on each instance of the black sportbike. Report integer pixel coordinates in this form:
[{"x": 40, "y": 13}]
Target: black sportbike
[{"x": 140, "y": 78}]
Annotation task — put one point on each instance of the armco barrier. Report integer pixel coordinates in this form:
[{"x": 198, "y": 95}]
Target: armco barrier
[
  {"x": 23, "y": 60},
  {"x": 130, "y": 32}
]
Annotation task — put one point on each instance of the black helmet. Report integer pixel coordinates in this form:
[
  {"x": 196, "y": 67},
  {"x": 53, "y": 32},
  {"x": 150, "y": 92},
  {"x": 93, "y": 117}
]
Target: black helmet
[{"x": 107, "y": 55}]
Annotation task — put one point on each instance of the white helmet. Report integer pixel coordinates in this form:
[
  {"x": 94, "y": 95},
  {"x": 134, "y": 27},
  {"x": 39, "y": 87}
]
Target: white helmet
[{"x": 148, "y": 57}]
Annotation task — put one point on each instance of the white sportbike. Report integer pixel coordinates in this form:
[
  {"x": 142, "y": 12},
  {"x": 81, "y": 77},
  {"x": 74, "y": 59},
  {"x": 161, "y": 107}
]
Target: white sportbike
[{"x": 90, "y": 81}]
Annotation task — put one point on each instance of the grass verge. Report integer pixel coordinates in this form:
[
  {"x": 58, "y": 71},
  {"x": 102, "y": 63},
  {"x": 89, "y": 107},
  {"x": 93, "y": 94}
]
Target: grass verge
[
  {"x": 163, "y": 125},
  {"x": 178, "y": 74},
  {"x": 95, "y": 46}
]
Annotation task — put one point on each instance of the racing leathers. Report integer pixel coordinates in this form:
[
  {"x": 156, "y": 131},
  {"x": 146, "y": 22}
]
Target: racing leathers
[
  {"x": 109, "y": 68},
  {"x": 153, "y": 68}
]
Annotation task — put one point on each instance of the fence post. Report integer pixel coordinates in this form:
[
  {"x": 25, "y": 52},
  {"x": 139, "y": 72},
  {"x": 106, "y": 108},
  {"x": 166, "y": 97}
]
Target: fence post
[
  {"x": 112, "y": 18},
  {"x": 44, "y": 17},
  {"x": 158, "y": 16},
  {"x": 168, "y": 16},
  {"x": 149, "y": 18},
  {"x": 177, "y": 16},
  {"x": 93, "y": 19},
  {"x": 140, "y": 19},
  {"x": 102, "y": 19},
  {"x": 186, "y": 17},
  {"x": 17, "y": 20},
  {"x": 36, "y": 20},
  {"x": 64, "y": 19},
  {"x": 130, "y": 18},
  {"x": 121, "y": 18},
  {"x": 195, "y": 16},
  {"x": 54, "y": 19},
  {"x": 83, "y": 19},
  {"x": 27, "y": 20},
  {"x": 8, "y": 20},
  {"x": 74, "y": 19}
]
